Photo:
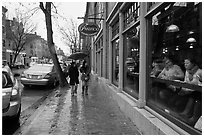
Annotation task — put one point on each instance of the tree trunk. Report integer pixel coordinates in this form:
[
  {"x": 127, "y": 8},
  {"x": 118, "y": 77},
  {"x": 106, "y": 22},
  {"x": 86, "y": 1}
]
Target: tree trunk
[
  {"x": 62, "y": 80},
  {"x": 16, "y": 53},
  {"x": 14, "y": 59}
]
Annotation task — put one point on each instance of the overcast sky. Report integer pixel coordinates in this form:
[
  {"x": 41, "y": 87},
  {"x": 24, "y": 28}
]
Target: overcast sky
[{"x": 69, "y": 10}]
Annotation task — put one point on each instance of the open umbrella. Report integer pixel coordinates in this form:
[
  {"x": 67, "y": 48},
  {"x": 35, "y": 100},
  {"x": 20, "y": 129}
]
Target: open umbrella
[{"x": 77, "y": 56}]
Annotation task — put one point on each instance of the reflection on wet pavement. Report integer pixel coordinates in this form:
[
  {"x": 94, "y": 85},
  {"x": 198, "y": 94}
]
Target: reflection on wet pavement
[{"x": 95, "y": 113}]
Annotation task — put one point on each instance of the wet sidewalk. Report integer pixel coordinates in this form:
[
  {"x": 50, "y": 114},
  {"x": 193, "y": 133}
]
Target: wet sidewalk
[{"x": 96, "y": 113}]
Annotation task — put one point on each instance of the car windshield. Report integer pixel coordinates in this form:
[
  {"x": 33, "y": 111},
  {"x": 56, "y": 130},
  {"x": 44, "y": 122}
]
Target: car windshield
[{"x": 41, "y": 67}]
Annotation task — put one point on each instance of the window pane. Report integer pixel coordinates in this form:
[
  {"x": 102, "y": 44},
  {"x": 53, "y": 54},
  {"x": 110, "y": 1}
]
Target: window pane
[
  {"x": 116, "y": 61},
  {"x": 131, "y": 15},
  {"x": 175, "y": 79},
  {"x": 131, "y": 62}
]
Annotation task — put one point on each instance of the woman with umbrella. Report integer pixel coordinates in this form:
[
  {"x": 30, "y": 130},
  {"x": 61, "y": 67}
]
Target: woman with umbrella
[{"x": 73, "y": 75}]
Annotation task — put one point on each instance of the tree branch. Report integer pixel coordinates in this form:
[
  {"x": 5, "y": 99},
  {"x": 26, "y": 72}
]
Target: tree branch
[
  {"x": 55, "y": 8},
  {"x": 42, "y": 7}
]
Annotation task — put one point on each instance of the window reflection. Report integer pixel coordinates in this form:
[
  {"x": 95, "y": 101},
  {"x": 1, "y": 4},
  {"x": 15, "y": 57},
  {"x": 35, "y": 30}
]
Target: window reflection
[
  {"x": 116, "y": 62},
  {"x": 131, "y": 61},
  {"x": 176, "y": 40}
]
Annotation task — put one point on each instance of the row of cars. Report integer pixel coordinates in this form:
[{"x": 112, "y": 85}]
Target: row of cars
[{"x": 38, "y": 74}]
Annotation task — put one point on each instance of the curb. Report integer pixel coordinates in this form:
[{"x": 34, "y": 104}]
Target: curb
[{"x": 25, "y": 127}]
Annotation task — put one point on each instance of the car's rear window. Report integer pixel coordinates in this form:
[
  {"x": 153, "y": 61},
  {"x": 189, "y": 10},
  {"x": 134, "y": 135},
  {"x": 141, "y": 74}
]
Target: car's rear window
[
  {"x": 41, "y": 67},
  {"x": 6, "y": 80}
]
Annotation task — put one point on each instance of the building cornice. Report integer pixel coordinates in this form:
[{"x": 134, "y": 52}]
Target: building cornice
[{"x": 114, "y": 11}]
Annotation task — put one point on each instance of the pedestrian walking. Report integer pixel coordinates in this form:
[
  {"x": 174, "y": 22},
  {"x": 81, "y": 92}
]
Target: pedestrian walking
[
  {"x": 74, "y": 80},
  {"x": 85, "y": 70}
]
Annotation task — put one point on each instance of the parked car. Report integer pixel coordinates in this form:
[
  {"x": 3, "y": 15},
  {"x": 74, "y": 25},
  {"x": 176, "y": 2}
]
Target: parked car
[
  {"x": 40, "y": 74},
  {"x": 18, "y": 65},
  {"x": 11, "y": 95}
]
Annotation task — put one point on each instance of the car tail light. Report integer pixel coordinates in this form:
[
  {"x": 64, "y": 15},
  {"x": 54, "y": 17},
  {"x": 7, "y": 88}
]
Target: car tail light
[
  {"x": 47, "y": 76},
  {"x": 23, "y": 75},
  {"x": 14, "y": 94}
]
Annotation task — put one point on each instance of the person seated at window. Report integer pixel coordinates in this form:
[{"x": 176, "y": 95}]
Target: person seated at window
[
  {"x": 193, "y": 108},
  {"x": 157, "y": 67},
  {"x": 171, "y": 71}
]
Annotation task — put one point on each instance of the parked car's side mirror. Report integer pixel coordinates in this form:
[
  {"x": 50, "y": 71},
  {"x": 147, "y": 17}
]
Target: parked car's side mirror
[{"x": 16, "y": 75}]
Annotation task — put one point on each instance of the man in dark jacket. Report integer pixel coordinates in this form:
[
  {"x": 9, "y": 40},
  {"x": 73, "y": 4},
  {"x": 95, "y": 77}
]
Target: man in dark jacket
[
  {"x": 74, "y": 80},
  {"x": 85, "y": 70}
]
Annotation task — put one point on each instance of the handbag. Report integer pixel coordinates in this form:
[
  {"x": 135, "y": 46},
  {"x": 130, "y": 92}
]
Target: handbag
[{"x": 84, "y": 77}]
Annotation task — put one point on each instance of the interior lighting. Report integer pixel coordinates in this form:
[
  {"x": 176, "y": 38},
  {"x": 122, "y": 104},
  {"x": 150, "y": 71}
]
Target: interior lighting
[
  {"x": 177, "y": 48},
  {"x": 178, "y": 36},
  {"x": 172, "y": 28},
  {"x": 166, "y": 50},
  {"x": 191, "y": 40},
  {"x": 191, "y": 46},
  {"x": 191, "y": 32}
]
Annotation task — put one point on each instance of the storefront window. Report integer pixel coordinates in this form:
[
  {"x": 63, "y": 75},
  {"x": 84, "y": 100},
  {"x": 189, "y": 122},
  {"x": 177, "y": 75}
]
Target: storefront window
[
  {"x": 131, "y": 14},
  {"x": 98, "y": 63},
  {"x": 176, "y": 77},
  {"x": 115, "y": 62},
  {"x": 131, "y": 62},
  {"x": 102, "y": 62},
  {"x": 150, "y": 5},
  {"x": 99, "y": 55},
  {"x": 115, "y": 29}
]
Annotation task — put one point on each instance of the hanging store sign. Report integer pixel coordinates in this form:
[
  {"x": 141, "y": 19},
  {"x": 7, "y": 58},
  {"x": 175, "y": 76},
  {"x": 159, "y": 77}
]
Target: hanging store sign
[{"x": 88, "y": 29}]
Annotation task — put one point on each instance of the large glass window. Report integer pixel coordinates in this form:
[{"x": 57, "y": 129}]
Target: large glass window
[
  {"x": 176, "y": 60},
  {"x": 131, "y": 14},
  {"x": 115, "y": 29},
  {"x": 99, "y": 52},
  {"x": 115, "y": 61},
  {"x": 131, "y": 62}
]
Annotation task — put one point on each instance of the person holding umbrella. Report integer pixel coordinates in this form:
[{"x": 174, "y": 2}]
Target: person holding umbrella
[
  {"x": 74, "y": 80},
  {"x": 85, "y": 70}
]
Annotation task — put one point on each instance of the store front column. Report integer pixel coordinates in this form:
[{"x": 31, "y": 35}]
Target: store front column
[
  {"x": 121, "y": 62},
  {"x": 143, "y": 56},
  {"x": 92, "y": 55},
  {"x": 110, "y": 55},
  {"x": 104, "y": 42}
]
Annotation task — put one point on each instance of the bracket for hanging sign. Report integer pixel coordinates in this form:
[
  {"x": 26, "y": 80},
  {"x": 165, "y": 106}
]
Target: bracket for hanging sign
[{"x": 91, "y": 18}]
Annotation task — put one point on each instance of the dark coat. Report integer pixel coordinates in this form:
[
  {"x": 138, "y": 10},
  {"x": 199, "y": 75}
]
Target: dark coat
[{"x": 73, "y": 75}]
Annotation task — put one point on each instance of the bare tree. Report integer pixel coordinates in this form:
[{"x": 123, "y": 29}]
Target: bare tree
[
  {"x": 48, "y": 18},
  {"x": 20, "y": 32},
  {"x": 70, "y": 35}
]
